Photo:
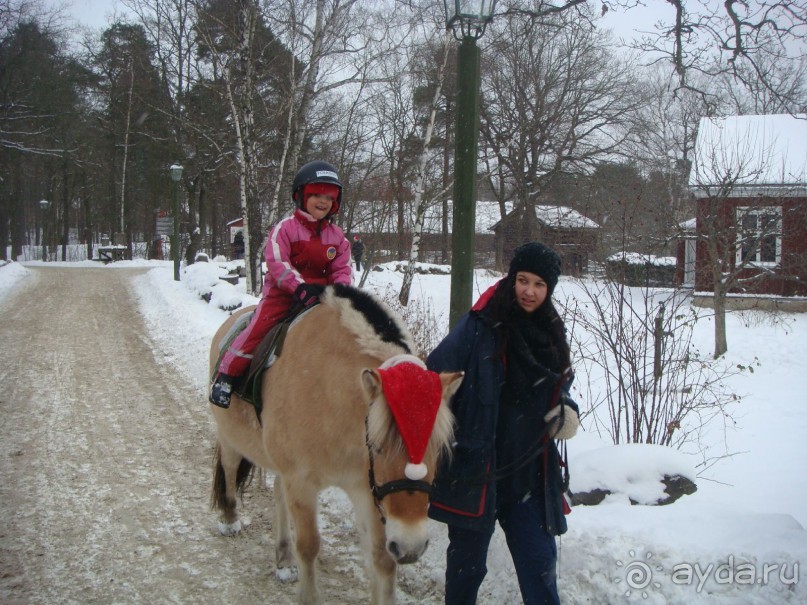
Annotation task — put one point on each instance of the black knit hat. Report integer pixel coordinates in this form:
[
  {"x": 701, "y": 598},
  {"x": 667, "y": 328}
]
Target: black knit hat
[{"x": 538, "y": 259}]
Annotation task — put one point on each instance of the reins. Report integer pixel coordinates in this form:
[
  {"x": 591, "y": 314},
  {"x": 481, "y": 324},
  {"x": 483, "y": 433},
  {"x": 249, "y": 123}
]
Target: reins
[{"x": 541, "y": 443}]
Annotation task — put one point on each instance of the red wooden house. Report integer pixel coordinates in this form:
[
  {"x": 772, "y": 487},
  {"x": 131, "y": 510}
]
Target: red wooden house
[{"x": 749, "y": 178}]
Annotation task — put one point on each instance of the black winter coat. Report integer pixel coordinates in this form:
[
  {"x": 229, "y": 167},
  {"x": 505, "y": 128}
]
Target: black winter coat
[{"x": 464, "y": 491}]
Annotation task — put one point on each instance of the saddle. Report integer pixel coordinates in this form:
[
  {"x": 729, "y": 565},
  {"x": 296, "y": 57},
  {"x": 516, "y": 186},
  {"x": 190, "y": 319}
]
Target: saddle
[{"x": 248, "y": 386}]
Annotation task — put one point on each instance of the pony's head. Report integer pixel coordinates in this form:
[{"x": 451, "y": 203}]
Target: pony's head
[{"x": 409, "y": 426}]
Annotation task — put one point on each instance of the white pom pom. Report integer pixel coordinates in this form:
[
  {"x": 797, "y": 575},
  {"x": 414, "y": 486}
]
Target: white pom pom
[{"x": 415, "y": 472}]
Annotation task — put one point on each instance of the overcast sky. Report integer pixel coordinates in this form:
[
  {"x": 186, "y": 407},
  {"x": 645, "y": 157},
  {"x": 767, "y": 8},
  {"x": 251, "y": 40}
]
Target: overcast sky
[{"x": 96, "y": 13}]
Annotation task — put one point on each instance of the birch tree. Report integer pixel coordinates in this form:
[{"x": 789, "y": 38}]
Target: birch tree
[
  {"x": 420, "y": 202},
  {"x": 325, "y": 38},
  {"x": 229, "y": 38}
]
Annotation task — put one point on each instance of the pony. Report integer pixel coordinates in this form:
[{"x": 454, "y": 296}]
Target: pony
[{"x": 326, "y": 421}]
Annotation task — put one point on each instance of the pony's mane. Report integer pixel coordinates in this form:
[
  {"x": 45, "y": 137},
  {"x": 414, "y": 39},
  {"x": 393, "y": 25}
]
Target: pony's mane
[{"x": 379, "y": 331}]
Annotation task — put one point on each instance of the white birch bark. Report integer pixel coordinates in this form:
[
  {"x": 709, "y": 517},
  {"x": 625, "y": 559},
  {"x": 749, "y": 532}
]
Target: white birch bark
[{"x": 420, "y": 184}]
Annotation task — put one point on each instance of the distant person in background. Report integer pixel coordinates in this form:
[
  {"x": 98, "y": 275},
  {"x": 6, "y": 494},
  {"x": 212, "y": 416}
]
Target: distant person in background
[
  {"x": 511, "y": 407},
  {"x": 357, "y": 249},
  {"x": 238, "y": 245}
]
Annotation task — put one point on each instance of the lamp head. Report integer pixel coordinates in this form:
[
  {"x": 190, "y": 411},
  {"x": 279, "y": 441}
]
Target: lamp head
[
  {"x": 468, "y": 18},
  {"x": 176, "y": 172}
]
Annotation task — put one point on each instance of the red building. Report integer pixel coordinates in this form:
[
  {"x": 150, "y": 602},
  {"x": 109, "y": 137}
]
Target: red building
[{"x": 749, "y": 178}]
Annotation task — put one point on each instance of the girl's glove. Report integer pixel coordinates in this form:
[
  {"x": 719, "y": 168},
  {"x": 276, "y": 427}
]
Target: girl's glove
[
  {"x": 571, "y": 422},
  {"x": 308, "y": 294}
]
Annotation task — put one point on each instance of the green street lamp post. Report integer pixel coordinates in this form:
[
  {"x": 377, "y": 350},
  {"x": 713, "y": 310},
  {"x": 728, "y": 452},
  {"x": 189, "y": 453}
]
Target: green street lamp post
[
  {"x": 43, "y": 205},
  {"x": 176, "y": 176},
  {"x": 467, "y": 19}
]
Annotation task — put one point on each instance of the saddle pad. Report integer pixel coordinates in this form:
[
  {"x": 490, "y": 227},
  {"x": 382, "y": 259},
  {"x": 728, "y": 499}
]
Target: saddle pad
[{"x": 248, "y": 386}]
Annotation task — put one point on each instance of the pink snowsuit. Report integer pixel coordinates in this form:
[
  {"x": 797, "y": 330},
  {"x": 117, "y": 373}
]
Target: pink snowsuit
[{"x": 299, "y": 250}]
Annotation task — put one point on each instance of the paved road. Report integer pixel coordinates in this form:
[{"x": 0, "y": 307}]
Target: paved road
[{"x": 105, "y": 457}]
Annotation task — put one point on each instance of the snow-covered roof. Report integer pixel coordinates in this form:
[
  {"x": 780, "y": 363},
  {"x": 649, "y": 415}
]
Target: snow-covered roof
[
  {"x": 368, "y": 218},
  {"x": 756, "y": 155},
  {"x": 563, "y": 217},
  {"x": 488, "y": 215},
  {"x": 560, "y": 217}
]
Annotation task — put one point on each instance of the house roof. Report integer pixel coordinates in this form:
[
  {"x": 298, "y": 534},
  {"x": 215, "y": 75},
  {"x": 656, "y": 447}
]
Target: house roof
[
  {"x": 560, "y": 217},
  {"x": 751, "y": 155},
  {"x": 563, "y": 217},
  {"x": 366, "y": 219},
  {"x": 488, "y": 216}
]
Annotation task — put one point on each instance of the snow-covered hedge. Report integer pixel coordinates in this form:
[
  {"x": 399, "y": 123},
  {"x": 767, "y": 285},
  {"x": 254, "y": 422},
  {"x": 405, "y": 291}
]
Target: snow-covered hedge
[{"x": 634, "y": 269}]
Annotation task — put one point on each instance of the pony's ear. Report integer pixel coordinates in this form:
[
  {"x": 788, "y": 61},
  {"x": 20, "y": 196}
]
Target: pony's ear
[
  {"x": 371, "y": 381},
  {"x": 451, "y": 382}
]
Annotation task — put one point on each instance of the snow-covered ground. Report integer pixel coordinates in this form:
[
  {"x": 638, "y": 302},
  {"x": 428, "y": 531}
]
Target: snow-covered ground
[{"x": 739, "y": 539}]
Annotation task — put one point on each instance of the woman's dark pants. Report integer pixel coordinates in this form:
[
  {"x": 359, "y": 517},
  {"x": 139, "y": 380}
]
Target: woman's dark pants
[{"x": 533, "y": 550}]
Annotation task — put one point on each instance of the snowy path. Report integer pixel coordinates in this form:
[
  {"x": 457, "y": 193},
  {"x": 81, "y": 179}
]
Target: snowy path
[{"x": 105, "y": 457}]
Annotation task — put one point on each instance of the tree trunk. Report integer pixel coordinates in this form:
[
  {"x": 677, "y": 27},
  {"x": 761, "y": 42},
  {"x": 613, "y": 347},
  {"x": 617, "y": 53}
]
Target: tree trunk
[
  {"x": 721, "y": 343},
  {"x": 240, "y": 101},
  {"x": 420, "y": 205}
]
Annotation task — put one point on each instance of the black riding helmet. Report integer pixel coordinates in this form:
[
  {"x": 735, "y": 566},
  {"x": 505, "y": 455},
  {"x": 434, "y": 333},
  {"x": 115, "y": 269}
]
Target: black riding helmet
[{"x": 316, "y": 172}]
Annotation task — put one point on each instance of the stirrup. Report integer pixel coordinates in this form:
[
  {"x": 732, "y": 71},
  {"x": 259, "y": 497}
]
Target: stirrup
[{"x": 220, "y": 393}]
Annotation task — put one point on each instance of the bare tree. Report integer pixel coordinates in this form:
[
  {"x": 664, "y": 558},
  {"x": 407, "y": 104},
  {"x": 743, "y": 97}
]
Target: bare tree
[
  {"x": 739, "y": 176},
  {"x": 738, "y": 38},
  {"x": 638, "y": 343},
  {"x": 555, "y": 100},
  {"x": 781, "y": 88}
]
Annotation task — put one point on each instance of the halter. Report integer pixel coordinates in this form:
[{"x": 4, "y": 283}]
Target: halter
[{"x": 398, "y": 485}]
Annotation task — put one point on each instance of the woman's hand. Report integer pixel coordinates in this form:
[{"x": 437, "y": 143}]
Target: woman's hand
[{"x": 563, "y": 422}]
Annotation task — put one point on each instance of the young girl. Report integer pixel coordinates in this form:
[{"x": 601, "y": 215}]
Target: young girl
[
  {"x": 304, "y": 253},
  {"x": 512, "y": 402}
]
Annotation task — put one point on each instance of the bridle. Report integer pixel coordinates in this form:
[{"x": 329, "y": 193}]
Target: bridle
[{"x": 398, "y": 485}]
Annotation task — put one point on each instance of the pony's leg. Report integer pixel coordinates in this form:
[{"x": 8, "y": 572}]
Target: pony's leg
[
  {"x": 284, "y": 549},
  {"x": 225, "y": 480},
  {"x": 301, "y": 499},
  {"x": 381, "y": 568}
]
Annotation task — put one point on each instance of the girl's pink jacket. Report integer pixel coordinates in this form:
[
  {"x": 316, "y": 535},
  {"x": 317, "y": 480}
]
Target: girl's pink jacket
[{"x": 303, "y": 250}]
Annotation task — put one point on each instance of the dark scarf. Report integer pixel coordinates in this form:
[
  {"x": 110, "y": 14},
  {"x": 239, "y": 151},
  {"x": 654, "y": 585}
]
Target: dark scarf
[
  {"x": 531, "y": 357},
  {"x": 532, "y": 368}
]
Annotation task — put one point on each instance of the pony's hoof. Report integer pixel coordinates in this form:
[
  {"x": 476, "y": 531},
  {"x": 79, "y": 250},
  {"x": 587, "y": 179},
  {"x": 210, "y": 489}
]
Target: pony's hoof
[
  {"x": 286, "y": 575},
  {"x": 230, "y": 529}
]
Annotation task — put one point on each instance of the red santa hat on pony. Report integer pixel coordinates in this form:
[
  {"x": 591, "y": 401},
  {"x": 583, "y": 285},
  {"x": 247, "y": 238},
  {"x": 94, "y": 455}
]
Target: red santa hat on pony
[{"x": 413, "y": 394}]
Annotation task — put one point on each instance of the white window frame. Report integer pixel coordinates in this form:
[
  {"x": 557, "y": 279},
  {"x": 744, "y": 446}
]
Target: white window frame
[{"x": 768, "y": 212}]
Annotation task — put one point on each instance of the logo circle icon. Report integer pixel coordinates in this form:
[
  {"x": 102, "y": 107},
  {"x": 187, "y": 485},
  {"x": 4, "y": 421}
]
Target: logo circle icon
[{"x": 638, "y": 575}]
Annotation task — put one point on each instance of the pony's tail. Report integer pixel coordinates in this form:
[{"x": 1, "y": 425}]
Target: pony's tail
[{"x": 243, "y": 477}]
